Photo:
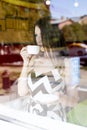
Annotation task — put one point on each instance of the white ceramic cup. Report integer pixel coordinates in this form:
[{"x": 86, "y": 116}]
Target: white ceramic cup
[{"x": 33, "y": 49}]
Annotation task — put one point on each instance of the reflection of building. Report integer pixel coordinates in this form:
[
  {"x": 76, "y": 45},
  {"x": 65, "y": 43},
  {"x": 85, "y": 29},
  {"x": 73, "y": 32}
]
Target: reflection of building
[
  {"x": 17, "y": 20},
  {"x": 14, "y": 23},
  {"x": 61, "y": 22},
  {"x": 83, "y": 20},
  {"x": 66, "y": 22}
]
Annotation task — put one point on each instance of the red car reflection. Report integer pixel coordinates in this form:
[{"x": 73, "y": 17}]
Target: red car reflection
[
  {"x": 9, "y": 54},
  {"x": 78, "y": 49}
]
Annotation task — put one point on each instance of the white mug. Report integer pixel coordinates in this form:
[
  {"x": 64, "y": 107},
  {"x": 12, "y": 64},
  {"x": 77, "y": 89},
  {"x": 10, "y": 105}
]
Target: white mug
[{"x": 33, "y": 49}]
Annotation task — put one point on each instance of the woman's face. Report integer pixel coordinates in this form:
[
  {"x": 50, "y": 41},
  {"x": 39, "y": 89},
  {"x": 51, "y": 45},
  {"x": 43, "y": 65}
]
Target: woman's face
[{"x": 38, "y": 35}]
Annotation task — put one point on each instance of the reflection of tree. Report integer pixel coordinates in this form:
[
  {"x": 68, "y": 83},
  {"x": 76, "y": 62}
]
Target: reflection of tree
[
  {"x": 68, "y": 34},
  {"x": 74, "y": 33},
  {"x": 19, "y": 6},
  {"x": 31, "y": 9},
  {"x": 33, "y": 1}
]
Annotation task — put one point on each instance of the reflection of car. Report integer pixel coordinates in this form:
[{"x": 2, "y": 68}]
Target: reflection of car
[
  {"x": 64, "y": 52},
  {"x": 10, "y": 58},
  {"x": 78, "y": 49},
  {"x": 83, "y": 60},
  {"x": 10, "y": 54}
]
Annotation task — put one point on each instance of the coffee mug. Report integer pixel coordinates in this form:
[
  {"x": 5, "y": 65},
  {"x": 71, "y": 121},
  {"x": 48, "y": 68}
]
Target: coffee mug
[{"x": 33, "y": 49}]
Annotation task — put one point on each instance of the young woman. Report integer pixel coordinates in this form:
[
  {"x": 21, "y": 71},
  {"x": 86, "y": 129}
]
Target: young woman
[{"x": 46, "y": 78}]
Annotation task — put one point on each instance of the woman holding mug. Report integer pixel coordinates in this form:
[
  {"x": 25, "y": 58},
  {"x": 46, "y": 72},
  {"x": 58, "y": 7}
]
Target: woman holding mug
[{"x": 46, "y": 78}]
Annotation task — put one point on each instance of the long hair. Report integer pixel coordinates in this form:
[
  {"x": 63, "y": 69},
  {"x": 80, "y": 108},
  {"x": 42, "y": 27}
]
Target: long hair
[
  {"x": 46, "y": 30},
  {"x": 45, "y": 26}
]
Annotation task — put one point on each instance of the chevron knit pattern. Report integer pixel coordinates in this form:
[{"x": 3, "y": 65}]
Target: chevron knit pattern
[{"x": 46, "y": 85}]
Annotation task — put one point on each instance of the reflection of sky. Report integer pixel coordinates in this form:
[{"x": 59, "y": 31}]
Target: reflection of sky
[{"x": 66, "y": 8}]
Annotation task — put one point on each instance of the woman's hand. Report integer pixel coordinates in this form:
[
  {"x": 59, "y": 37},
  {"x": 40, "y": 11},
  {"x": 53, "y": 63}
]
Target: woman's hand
[{"x": 25, "y": 56}]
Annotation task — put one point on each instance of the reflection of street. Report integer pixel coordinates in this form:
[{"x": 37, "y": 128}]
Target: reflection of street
[
  {"x": 60, "y": 59},
  {"x": 83, "y": 73}
]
